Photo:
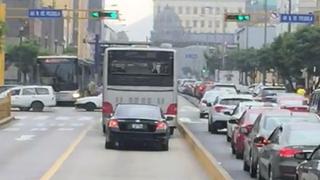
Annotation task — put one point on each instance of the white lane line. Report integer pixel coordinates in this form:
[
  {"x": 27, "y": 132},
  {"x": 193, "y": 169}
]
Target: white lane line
[
  {"x": 11, "y": 129},
  {"x": 40, "y": 124},
  {"x": 77, "y": 124},
  {"x": 85, "y": 118},
  {"x": 62, "y": 118},
  {"x": 41, "y": 117},
  {"x": 65, "y": 129},
  {"x": 18, "y": 124},
  {"x": 39, "y": 129},
  {"x": 21, "y": 117},
  {"x": 25, "y": 137},
  {"x": 188, "y": 120}
]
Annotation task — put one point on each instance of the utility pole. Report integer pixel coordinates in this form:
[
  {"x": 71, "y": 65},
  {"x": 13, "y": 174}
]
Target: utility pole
[
  {"x": 289, "y": 12},
  {"x": 97, "y": 62},
  {"x": 265, "y": 37}
]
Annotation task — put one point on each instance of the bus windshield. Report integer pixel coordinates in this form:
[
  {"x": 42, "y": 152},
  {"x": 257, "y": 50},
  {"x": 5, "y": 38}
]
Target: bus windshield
[
  {"x": 140, "y": 68},
  {"x": 58, "y": 73}
]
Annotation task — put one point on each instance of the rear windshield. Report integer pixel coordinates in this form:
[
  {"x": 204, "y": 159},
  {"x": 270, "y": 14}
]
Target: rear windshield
[
  {"x": 230, "y": 90},
  {"x": 273, "y": 121},
  {"x": 272, "y": 91},
  {"x": 138, "y": 112},
  {"x": 304, "y": 137},
  {"x": 252, "y": 117},
  {"x": 233, "y": 101}
]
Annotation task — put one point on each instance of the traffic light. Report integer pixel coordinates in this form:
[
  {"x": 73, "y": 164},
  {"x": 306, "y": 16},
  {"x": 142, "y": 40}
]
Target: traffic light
[
  {"x": 237, "y": 17},
  {"x": 109, "y": 14}
]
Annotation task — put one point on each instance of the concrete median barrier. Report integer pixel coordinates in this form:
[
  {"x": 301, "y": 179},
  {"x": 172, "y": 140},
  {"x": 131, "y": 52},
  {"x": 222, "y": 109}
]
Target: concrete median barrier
[
  {"x": 5, "y": 110},
  {"x": 209, "y": 163}
]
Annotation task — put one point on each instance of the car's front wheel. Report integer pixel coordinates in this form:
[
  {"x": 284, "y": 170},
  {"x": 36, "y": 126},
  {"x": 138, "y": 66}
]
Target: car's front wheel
[
  {"x": 37, "y": 106},
  {"x": 90, "y": 106}
]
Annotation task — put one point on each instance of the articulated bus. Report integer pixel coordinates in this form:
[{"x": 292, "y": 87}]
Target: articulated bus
[
  {"x": 140, "y": 75},
  {"x": 68, "y": 75}
]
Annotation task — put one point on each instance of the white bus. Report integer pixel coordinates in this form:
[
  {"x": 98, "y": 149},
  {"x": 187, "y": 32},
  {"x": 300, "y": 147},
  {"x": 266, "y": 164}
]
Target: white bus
[
  {"x": 68, "y": 75},
  {"x": 140, "y": 75}
]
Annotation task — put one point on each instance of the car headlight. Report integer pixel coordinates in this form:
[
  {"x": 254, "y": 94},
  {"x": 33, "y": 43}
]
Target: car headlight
[{"x": 76, "y": 95}]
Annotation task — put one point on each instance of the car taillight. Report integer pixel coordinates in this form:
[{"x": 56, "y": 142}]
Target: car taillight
[
  {"x": 172, "y": 109},
  {"x": 161, "y": 126},
  {"x": 288, "y": 152},
  {"x": 113, "y": 123},
  {"x": 219, "y": 108},
  {"x": 107, "y": 108}
]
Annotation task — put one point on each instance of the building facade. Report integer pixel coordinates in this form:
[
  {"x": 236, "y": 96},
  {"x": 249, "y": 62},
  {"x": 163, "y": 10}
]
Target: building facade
[{"x": 203, "y": 16}]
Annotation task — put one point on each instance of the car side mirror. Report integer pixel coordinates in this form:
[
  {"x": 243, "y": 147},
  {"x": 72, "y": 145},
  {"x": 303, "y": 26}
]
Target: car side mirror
[
  {"x": 244, "y": 130},
  {"x": 227, "y": 113},
  {"x": 233, "y": 121},
  {"x": 261, "y": 141}
]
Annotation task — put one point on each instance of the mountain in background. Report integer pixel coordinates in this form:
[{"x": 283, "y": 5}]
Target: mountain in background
[{"x": 140, "y": 30}]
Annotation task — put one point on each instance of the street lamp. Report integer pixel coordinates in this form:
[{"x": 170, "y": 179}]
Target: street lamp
[
  {"x": 46, "y": 41},
  {"x": 56, "y": 46},
  {"x": 21, "y": 35}
]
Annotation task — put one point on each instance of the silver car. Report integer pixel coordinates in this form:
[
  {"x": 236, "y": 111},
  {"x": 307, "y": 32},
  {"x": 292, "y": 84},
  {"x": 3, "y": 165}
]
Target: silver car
[{"x": 221, "y": 110}]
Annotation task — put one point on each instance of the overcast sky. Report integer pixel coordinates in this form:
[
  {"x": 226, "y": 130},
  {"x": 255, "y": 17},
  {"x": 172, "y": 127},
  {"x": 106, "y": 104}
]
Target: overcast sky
[{"x": 133, "y": 11}]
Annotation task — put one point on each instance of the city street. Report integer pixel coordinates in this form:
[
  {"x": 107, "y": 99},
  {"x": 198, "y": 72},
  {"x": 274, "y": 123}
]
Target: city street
[
  {"x": 215, "y": 144},
  {"x": 64, "y": 143}
]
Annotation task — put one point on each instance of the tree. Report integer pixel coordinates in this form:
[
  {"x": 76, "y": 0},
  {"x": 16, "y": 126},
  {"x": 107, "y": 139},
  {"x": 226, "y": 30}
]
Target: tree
[{"x": 24, "y": 57}]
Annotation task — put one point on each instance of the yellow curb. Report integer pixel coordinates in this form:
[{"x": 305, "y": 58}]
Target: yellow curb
[{"x": 210, "y": 164}]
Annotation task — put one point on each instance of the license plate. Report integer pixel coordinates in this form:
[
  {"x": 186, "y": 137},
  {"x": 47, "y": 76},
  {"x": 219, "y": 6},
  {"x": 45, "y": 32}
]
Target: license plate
[{"x": 137, "y": 126}]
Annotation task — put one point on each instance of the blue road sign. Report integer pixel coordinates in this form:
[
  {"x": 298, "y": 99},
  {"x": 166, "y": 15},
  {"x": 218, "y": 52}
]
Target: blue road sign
[
  {"x": 45, "y": 13},
  {"x": 297, "y": 18}
]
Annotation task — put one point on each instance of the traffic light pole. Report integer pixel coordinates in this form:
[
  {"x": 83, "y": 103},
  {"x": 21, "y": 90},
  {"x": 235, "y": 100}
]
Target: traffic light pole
[{"x": 97, "y": 61}]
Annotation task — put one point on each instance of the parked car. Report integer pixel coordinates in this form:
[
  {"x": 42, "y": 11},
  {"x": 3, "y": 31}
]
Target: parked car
[
  {"x": 276, "y": 158},
  {"x": 208, "y": 99},
  {"x": 89, "y": 103},
  {"x": 263, "y": 126},
  {"x": 136, "y": 123},
  {"x": 221, "y": 110},
  {"x": 243, "y": 128},
  {"x": 238, "y": 112},
  {"x": 6, "y": 87},
  {"x": 31, "y": 97},
  {"x": 309, "y": 169}
]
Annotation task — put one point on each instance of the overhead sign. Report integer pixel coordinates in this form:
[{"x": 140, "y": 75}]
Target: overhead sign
[
  {"x": 45, "y": 13},
  {"x": 297, "y": 18}
]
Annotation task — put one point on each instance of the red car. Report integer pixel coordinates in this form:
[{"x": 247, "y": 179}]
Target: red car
[
  {"x": 295, "y": 103},
  {"x": 243, "y": 129}
]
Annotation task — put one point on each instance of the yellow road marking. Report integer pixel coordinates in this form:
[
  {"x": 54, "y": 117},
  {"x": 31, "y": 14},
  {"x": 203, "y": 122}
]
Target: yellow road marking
[{"x": 59, "y": 162}]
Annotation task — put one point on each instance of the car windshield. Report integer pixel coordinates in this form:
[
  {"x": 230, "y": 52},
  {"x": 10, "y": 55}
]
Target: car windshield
[
  {"x": 304, "y": 137},
  {"x": 272, "y": 91},
  {"x": 234, "y": 101},
  {"x": 272, "y": 122},
  {"x": 138, "y": 112}
]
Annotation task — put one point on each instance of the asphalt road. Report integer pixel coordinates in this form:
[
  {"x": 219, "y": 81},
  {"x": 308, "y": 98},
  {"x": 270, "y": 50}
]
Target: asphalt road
[
  {"x": 64, "y": 143},
  {"x": 215, "y": 144}
]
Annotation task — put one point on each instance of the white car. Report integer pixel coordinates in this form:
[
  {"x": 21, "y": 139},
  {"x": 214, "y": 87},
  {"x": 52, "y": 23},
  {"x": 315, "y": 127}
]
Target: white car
[
  {"x": 208, "y": 98},
  {"x": 220, "y": 112},
  {"x": 31, "y": 97},
  {"x": 89, "y": 103},
  {"x": 238, "y": 112}
]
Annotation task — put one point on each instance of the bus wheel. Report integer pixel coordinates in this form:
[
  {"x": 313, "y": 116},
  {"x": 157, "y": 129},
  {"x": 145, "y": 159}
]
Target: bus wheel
[
  {"x": 90, "y": 106},
  {"x": 171, "y": 130},
  {"x": 37, "y": 106}
]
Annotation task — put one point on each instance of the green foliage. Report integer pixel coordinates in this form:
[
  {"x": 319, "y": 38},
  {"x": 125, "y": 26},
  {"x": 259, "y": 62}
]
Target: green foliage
[
  {"x": 24, "y": 56},
  {"x": 2, "y": 33},
  {"x": 70, "y": 50}
]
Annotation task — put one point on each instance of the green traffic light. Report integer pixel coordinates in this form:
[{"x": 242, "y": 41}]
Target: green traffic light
[
  {"x": 243, "y": 18},
  {"x": 110, "y": 14}
]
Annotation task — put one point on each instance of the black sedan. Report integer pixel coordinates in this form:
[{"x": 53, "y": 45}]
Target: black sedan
[
  {"x": 310, "y": 168},
  {"x": 276, "y": 159},
  {"x": 137, "y": 124}
]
